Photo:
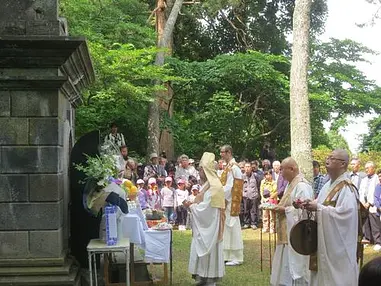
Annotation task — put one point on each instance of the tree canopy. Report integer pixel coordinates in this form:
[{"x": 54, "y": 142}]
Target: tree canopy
[{"x": 230, "y": 79}]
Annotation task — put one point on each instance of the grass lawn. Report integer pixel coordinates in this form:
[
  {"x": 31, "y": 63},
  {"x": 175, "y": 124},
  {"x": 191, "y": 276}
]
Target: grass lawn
[{"x": 249, "y": 273}]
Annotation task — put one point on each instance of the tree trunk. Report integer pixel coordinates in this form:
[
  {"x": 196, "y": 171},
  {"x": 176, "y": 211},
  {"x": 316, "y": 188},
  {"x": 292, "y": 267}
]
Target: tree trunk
[
  {"x": 299, "y": 104},
  {"x": 154, "y": 106}
]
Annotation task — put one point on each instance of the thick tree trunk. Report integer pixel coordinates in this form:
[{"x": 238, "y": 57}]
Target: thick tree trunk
[
  {"x": 154, "y": 107},
  {"x": 299, "y": 104}
]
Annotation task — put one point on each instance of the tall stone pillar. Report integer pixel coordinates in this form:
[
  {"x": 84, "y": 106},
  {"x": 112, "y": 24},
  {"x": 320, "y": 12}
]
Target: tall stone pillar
[{"x": 42, "y": 72}]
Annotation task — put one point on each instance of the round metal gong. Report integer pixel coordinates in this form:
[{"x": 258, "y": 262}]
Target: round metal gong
[{"x": 303, "y": 237}]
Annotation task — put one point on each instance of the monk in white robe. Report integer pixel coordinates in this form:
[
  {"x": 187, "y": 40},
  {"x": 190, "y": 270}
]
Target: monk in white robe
[
  {"x": 289, "y": 267},
  {"x": 206, "y": 262},
  {"x": 233, "y": 243},
  {"x": 337, "y": 219}
]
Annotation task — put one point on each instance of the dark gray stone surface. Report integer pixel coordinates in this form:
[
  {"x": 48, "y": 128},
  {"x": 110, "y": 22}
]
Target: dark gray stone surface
[
  {"x": 45, "y": 131},
  {"x": 29, "y": 10},
  {"x": 13, "y": 188},
  {"x": 34, "y": 103},
  {"x": 27, "y": 216},
  {"x": 14, "y": 131},
  {"x": 14, "y": 244},
  {"x": 45, "y": 187},
  {"x": 43, "y": 28},
  {"x": 45, "y": 243},
  {"x": 31, "y": 160},
  {"x": 5, "y": 103}
]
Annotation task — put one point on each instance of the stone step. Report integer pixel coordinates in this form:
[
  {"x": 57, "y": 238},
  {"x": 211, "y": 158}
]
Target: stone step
[
  {"x": 71, "y": 279},
  {"x": 38, "y": 270},
  {"x": 28, "y": 262}
]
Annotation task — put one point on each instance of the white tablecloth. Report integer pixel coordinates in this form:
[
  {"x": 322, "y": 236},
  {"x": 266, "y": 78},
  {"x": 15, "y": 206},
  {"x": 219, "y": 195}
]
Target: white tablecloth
[
  {"x": 132, "y": 229},
  {"x": 156, "y": 243}
]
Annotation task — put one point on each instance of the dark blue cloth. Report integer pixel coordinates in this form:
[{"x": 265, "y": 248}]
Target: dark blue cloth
[{"x": 377, "y": 198}]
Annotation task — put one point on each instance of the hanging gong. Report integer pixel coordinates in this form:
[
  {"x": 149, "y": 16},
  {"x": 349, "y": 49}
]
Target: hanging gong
[{"x": 303, "y": 237}]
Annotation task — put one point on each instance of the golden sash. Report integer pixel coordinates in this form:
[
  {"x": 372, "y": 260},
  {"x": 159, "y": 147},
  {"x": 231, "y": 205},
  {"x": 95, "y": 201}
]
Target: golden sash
[
  {"x": 281, "y": 225},
  {"x": 361, "y": 216},
  {"x": 236, "y": 191}
]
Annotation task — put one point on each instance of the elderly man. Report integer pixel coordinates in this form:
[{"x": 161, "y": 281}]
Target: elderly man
[
  {"x": 289, "y": 267},
  {"x": 232, "y": 181},
  {"x": 372, "y": 226},
  {"x": 355, "y": 174},
  {"x": 206, "y": 262},
  {"x": 281, "y": 183},
  {"x": 336, "y": 209},
  {"x": 185, "y": 170},
  {"x": 154, "y": 170}
]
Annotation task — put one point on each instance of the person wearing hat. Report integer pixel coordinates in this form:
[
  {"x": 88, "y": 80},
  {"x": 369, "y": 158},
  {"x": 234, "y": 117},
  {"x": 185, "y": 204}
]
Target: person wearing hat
[
  {"x": 206, "y": 261},
  {"x": 142, "y": 194},
  {"x": 154, "y": 170},
  {"x": 168, "y": 196},
  {"x": 153, "y": 195}
]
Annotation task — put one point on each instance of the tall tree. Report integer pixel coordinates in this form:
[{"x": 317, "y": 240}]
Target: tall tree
[
  {"x": 301, "y": 149},
  {"x": 154, "y": 106}
]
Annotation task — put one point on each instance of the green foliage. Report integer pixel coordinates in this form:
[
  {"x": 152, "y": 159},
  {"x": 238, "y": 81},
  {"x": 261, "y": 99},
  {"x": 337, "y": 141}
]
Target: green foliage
[
  {"x": 338, "y": 88},
  {"x": 374, "y": 156},
  {"x": 372, "y": 141},
  {"x": 216, "y": 27},
  {"x": 99, "y": 168},
  {"x": 240, "y": 99},
  {"x": 122, "y": 49},
  {"x": 336, "y": 140},
  {"x": 109, "y": 21}
]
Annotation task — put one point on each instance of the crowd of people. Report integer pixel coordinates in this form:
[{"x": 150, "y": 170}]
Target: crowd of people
[{"x": 233, "y": 191}]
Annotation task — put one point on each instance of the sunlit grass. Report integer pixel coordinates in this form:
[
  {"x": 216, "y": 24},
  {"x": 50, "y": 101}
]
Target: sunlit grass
[{"x": 249, "y": 273}]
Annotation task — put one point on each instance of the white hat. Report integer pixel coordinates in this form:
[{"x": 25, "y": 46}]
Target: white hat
[
  {"x": 168, "y": 179},
  {"x": 151, "y": 181},
  {"x": 153, "y": 155},
  {"x": 195, "y": 187},
  {"x": 140, "y": 181}
]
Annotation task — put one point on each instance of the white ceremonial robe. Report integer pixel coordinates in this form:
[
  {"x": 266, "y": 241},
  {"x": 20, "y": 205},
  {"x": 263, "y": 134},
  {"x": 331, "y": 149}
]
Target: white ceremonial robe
[
  {"x": 233, "y": 243},
  {"x": 290, "y": 268},
  {"x": 337, "y": 238},
  {"x": 206, "y": 255}
]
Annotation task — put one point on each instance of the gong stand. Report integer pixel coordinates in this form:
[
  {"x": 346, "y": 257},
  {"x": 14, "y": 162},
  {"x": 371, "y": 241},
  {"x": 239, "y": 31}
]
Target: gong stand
[{"x": 271, "y": 239}]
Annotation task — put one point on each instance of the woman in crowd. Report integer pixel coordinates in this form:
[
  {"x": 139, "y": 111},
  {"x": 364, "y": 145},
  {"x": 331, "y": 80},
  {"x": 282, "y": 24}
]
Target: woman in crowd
[{"x": 269, "y": 195}]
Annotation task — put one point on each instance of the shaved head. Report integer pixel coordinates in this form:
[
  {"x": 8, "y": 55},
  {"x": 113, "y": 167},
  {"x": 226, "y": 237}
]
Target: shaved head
[
  {"x": 290, "y": 162},
  {"x": 290, "y": 169},
  {"x": 337, "y": 163},
  {"x": 342, "y": 154}
]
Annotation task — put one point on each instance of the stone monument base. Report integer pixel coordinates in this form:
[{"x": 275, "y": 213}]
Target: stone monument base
[{"x": 39, "y": 272}]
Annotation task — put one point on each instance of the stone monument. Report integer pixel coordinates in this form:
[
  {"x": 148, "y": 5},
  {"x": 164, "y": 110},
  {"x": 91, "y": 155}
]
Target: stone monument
[{"x": 42, "y": 72}]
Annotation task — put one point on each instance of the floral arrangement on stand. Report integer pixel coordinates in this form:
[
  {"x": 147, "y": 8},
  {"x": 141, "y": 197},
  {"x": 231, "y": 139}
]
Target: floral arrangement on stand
[{"x": 102, "y": 185}]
